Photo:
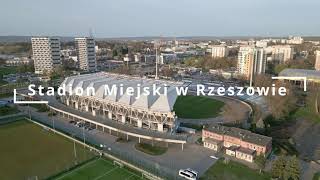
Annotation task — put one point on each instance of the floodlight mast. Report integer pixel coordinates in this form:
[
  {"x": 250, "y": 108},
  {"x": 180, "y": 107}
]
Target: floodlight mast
[{"x": 156, "y": 47}]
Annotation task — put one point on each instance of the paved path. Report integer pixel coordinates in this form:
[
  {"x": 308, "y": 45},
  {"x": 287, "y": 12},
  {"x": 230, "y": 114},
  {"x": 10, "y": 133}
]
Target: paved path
[{"x": 193, "y": 156}]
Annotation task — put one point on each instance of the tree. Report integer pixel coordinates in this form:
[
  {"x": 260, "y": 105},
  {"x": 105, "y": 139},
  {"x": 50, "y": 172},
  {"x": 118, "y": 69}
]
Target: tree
[
  {"x": 313, "y": 99},
  {"x": 281, "y": 106},
  {"x": 207, "y": 62},
  {"x": 22, "y": 68},
  {"x": 292, "y": 169},
  {"x": 286, "y": 168},
  {"x": 167, "y": 72},
  {"x": 260, "y": 161},
  {"x": 278, "y": 167}
]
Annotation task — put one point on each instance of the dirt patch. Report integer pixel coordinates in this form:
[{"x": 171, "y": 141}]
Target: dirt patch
[{"x": 233, "y": 110}]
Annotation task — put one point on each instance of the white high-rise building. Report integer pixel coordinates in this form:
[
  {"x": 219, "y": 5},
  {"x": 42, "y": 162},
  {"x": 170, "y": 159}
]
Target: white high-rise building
[
  {"x": 251, "y": 61},
  {"x": 219, "y": 51},
  {"x": 46, "y": 54},
  {"x": 260, "y": 61},
  {"x": 295, "y": 40},
  {"x": 245, "y": 61},
  {"x": 317, "y": 63},
  {"x": 86, "y": 53},
  {"x": 281, "y": 53}
]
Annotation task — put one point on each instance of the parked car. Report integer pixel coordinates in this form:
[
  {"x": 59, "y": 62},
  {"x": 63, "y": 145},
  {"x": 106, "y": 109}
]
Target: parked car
[
  {"x": 195, "y": 173},
  {"x": 187, "y": 174},
  {"x": 72, "y": 122},
  {"x": 214, "y": 157}
]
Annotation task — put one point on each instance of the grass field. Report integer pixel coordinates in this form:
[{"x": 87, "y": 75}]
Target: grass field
[
  {"x": 7, "y": 70},
  {"x": 27, "y": 150},
  {"x": 100, "y": 169},
  {"x": 307, "y": 114},
  {"x": 233, "y": 171},
  {"x": 197, "y": 107},
  {"x": 316, "y": 176},
  {"x": 7, "y": 110}
]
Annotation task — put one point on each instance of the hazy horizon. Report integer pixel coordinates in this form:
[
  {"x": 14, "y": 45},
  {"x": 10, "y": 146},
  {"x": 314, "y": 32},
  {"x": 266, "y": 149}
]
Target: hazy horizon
[{"x": 173, "y": 18}]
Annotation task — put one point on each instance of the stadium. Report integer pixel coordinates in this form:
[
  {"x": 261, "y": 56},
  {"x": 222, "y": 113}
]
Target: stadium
[{"x": 151, "y": 111}]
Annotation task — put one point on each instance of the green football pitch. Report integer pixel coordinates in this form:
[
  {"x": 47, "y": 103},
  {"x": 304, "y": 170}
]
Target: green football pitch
[
  {"x": 100, "y": 169},
  {"x": 197, "y": 107},
  {"x": 28, "y": 151}
]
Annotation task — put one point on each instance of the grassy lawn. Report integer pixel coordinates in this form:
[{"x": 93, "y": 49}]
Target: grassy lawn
[
  {"x": 316, "y": 176},
  {"x": 100, "y": 169},
  {"x": 7, "y": 70},
  {"x": 6, "y": 110},
  {"x": 196, "y": 107},
  {"x": 306, "y": 113},
  {"x": 27, "y": 150},
  {"x": 6, "y": 95},
  {"x": 151, "y": 150},
  {"x": 40, "y": 107},
  {"x": 233, "y": 171},
  {"x": 2, "y": 82}
]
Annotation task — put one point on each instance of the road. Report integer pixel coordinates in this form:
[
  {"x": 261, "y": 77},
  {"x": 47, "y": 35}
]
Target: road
[{"x": 193, "y": 156}]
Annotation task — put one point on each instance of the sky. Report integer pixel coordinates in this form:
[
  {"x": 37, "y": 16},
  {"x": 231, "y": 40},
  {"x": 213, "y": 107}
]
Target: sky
[{"x": 176, "y": 18}]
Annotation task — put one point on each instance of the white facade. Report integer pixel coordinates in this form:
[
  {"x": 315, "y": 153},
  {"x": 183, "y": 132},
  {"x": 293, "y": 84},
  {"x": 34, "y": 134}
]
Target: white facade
[
  {"x": 219, "y": 51},
  {"x": 251, "y": 61},
  {"x": 260, "y": 61},
  {"x": 151, "y": 111},
  {"x": 262, "y": 43},
  {"x": 281, "y": 53},
  {"x": 317, "y": 63},
  {"x": 46, "y": 53},
  {"x": 86, "y": 54},
  {"x": 245, "y": 58},
  {"x": 295, "y": 40}
]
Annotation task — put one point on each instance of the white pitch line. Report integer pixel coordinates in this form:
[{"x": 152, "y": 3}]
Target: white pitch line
[
  {"x": 129, "y": 177},
  {"x": 133, "y": 174},
  {"x": 77, "y": 169},
  {"x": 105, "y": 173}
]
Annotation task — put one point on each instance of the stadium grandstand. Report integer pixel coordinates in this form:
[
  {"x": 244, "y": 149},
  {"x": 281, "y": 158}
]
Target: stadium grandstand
[
  {"x": 153, "y": 111},
  {"x": 293, "y": 74}
]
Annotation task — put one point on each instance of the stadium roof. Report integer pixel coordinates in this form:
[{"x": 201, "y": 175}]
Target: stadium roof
[
  {"x": 312, "y": 75},
  {"x": 158, "y": 103}
]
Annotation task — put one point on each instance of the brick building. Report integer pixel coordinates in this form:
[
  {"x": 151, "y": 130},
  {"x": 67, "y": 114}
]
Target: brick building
[{"x": 236, "y": 142}]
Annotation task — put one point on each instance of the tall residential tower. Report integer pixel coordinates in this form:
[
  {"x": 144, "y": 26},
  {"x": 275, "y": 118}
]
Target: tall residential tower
[
  {"x": 86, "y": 54},
  {"x": 251, "y": 61},
  {"x": 219, "y": 51},
  {"x": 46, "y": 54}
]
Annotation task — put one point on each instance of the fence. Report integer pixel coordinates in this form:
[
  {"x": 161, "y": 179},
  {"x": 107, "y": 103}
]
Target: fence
[{"x": 124, "y": 158}]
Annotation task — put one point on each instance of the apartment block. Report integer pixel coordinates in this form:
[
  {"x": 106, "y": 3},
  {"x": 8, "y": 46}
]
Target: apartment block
[
  {"x": 317, "y": 63},
  {"x": 86, "y": 54},
  {"x": 280, "y": 53},
  {"x": 219, "y": 51},
  {"x": 45, "y": 54},
  {"x": 236, "y": 142},
  {"x": 251, "y": 61}
]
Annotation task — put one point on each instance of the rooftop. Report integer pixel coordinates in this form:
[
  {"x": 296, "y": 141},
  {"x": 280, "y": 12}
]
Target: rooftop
[
  {"x": 246, "y": 150},
  {"x": 98, "y": 81},
  {"x": 242, "y": 134},
  {"x": 312, "y": 75}
]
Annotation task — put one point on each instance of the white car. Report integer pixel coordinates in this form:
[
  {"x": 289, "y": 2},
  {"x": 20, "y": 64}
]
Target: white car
[
  {"x": 195, "y": 173},
  {"x": 187, "y": 174},
  {"x": 214, "y": 157}
]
